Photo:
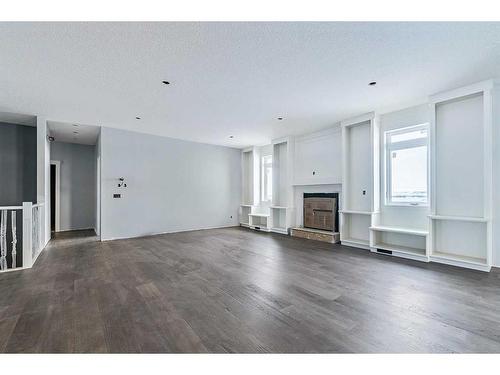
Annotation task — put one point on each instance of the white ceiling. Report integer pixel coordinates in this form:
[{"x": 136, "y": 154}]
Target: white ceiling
[
  {"x": 234, "y": 78},
  {"x": 73, "y": 133}
]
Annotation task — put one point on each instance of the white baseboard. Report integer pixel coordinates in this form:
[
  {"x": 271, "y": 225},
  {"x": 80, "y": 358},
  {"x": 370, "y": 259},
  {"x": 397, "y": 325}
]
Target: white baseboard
[
  {"x": 168, "y": 232},
  {"x": 70, "y": 230}
]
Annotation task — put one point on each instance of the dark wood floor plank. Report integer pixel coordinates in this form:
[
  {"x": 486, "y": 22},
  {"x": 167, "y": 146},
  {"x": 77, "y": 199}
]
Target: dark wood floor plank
[{"x": 233, "y": 290}]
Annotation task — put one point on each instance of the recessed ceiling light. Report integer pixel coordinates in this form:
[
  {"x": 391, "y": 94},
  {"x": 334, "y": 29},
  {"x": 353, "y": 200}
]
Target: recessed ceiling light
[
  {"x": 231, "y": 136},
  {"x": 372, "y": 83},
  {"x": 137, "y": 118},
  {"x": 165, "y": 82},
  {"x": 280, "y": 118}
]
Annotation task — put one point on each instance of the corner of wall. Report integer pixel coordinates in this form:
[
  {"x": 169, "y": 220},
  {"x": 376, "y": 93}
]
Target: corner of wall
[
  {"x": 43, "y": 172},
  {"x": 496, "y": 176}
]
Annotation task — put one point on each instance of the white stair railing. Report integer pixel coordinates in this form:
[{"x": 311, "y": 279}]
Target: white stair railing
[
  {"x": 32, "y": 234},
  {"x": 4, "y": 230},
  {"x": 36, "y": 229},
  {"x": 14, "y": 238},
  {"x": 3, "y": 240}
]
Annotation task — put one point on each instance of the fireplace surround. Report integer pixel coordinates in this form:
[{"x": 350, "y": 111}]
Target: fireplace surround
[{"x": 321, "y": 211}]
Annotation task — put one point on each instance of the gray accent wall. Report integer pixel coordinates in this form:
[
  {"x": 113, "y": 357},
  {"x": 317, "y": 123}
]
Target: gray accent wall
[
  {"x": 172, "y": 185},
  {"x": 17, "y": 164},
  {"x": 78, "y": 185}
]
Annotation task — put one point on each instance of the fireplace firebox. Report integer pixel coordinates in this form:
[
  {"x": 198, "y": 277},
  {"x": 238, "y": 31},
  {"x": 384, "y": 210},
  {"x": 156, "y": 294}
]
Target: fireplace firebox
[{"x": 321, "y": 211}]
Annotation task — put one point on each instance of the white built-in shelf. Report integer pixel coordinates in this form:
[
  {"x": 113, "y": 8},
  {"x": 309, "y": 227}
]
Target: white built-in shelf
[
  {"x": 415, "y": 251},
  {"x": 282, "y": 200},
  {"x": 470, "y": 219},
  {"x": 416, "y": 232},
  {"x": 440, "y": 256},
  {"x": 261, "y": 228},
  {"x": 353, "y": 212},
  {"x": 400, "y": 249},
  {"x": 259, "y": 215},
  {"x": 458, "y": 225},
  {"x": 259, "y": 221}
]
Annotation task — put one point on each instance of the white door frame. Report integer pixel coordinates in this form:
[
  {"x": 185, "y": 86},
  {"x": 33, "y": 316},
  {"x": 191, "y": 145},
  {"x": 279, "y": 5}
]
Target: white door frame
[
  {"x": 57, "y": 163},
  {"x": 98, "y": 197}
]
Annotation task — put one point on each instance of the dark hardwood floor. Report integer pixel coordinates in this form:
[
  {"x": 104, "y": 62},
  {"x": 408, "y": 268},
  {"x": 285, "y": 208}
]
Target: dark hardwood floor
[{"x": 236, "y": 290}]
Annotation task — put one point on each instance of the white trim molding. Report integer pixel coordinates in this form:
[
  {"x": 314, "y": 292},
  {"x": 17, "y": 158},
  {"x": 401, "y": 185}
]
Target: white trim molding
[{"x": 57, "y": 163}]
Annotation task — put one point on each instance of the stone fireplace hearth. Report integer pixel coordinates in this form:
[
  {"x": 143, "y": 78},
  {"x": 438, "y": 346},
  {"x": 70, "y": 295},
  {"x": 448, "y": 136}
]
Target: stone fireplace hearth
[{"x": 317, "y": 209}]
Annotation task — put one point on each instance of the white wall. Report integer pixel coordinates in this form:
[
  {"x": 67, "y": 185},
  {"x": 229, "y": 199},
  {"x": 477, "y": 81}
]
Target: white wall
[
  {"x": 77, "y": 185},
  {"x": 496, "y": 178},
  {"x": 172, "y": 185},
  {"x": 358, "y": 159},
  {"x": 43, "y": 173},
  {"x": 459, "y": 158},
  {"x": 321, "y": 153},
  {"x": 402, "y": 216}
]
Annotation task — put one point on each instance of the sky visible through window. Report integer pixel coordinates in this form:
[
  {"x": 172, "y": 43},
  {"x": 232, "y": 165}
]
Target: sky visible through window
[
  {"x": 267, "y": 178},
  {"x": 407, "y": 174}
]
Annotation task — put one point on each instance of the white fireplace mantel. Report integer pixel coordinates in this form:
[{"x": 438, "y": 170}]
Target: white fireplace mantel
[{"x": 298, "y": 197}]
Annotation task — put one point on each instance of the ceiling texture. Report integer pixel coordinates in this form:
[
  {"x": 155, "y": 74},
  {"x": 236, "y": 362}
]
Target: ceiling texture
[{"x": 234, "y": 79}]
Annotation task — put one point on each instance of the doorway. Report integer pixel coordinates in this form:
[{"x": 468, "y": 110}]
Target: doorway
[{"x": 55, "y": 199}]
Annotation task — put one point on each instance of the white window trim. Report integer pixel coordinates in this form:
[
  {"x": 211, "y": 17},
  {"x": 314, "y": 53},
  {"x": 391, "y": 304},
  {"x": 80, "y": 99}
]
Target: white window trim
[{"x": 399, "y": 146}]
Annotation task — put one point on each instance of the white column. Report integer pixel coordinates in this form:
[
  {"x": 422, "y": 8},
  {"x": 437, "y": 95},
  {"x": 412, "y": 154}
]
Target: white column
[
  {"x": 27, "y": 234},
  {"x": 496, "y": 177},
  {"x": 43, "y": 175}
]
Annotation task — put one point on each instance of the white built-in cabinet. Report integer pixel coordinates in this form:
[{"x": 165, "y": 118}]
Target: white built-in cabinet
[
  {"x": 460, "y": 222},
  {"x": 281, "y": 209},
  {"x": 252, "y": 214},
  {"x": 459, "y": 226},
  {"x": 278, "y": 215},
  {"x": 361, "y": 219},
  {"x": 360, "y": 179},
  {"x": 250, "y": 184}
]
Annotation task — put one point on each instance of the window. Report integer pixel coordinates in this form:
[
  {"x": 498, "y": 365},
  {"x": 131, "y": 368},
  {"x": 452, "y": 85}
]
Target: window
[
  {"x": 406, "y": 166},
  {"x": 267, "y": 178}
]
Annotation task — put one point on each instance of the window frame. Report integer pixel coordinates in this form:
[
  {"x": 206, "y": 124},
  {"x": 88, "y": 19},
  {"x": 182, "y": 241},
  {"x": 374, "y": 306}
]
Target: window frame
[
  {"x": 263, "y": 185},
  {"x": 402, "y": 145}
]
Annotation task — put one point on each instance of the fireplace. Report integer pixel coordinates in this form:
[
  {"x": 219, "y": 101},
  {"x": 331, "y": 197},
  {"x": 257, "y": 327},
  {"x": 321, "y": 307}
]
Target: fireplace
[{"x": 321, "y": 211}]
